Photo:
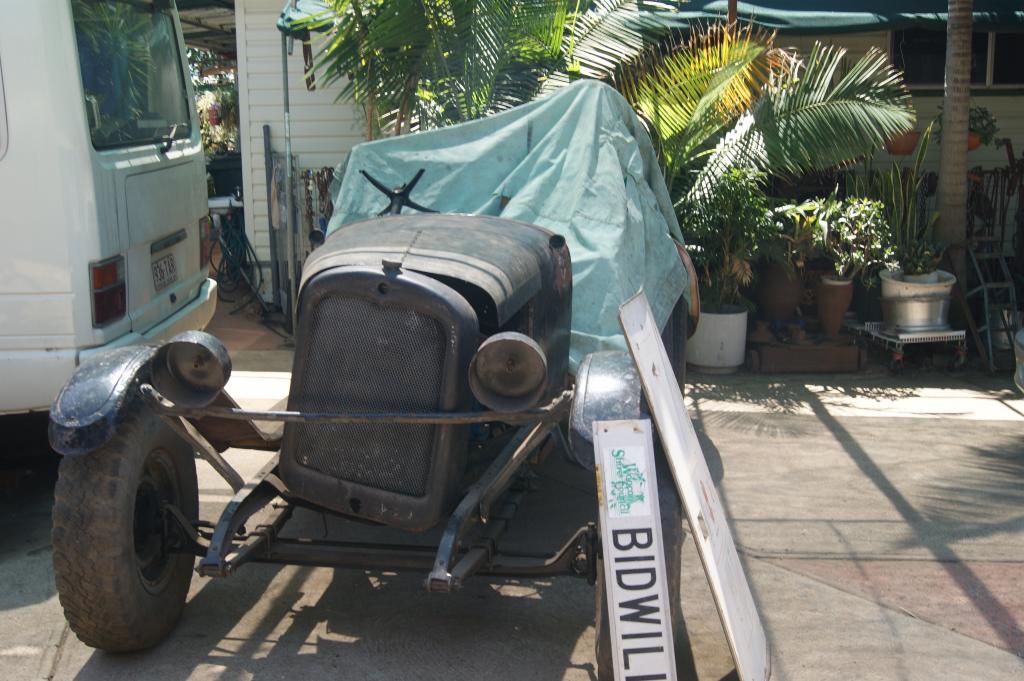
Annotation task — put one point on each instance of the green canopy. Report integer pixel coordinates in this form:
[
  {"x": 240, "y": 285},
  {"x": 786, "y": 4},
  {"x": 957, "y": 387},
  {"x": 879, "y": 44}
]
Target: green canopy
[
  {"x": 847, "y": 16},
  {"x": 785, "y": 16}
]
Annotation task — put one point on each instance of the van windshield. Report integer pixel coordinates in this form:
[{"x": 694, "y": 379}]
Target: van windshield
[{"x": 131, "y": 73}]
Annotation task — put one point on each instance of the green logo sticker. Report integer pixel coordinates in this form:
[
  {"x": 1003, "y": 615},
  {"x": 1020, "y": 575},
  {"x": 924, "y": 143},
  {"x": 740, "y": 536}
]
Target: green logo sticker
[{"x": 626, "y": 485}]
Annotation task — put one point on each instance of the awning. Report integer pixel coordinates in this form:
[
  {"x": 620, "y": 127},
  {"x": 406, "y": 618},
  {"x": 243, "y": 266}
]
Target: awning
[
  {"x": 208, "y": 24},
  {"x": 785, "y": 16},
  {"x": 848, "y": 16}
]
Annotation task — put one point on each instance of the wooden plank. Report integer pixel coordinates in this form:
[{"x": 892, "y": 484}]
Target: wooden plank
[{"x": 704, "y": 510}]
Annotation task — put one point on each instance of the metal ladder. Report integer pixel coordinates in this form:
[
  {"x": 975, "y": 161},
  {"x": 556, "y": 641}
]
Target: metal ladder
[{"x": 995, "y": 286}]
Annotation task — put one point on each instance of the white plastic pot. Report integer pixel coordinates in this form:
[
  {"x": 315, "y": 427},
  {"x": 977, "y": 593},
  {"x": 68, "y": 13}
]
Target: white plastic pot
[{"x": 720, "y": 342}]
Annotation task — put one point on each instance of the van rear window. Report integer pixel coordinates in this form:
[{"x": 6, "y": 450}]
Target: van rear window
[{"x": 131, "y": 73}]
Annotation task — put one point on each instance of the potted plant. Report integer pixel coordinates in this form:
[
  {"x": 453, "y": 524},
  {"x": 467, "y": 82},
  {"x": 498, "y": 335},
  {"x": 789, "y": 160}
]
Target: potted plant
[
  {"x": 903, "y": 144},
  {"x": 790, "y": 245},
  {"x": 981, "y": 127},
  {"x": 852, "y": 233},
  {"x": 915, "y": 293},
  {"x": 724, "y": 231}
]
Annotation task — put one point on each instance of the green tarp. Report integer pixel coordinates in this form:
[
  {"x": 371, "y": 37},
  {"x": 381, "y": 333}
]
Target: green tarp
[
  {"x": 578, "y": 163},
  {"x": 798, "y": 16}
]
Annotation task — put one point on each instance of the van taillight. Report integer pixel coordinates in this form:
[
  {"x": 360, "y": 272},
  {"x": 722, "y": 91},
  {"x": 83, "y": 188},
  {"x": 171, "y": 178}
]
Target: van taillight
[{"x": 109, "y": 295}]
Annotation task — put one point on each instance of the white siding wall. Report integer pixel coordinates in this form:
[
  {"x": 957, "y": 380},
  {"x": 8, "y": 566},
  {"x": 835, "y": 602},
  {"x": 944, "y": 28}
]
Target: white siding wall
[
  {"x": 323, "y": 129},
  {"x": 1008, "y": 107}
]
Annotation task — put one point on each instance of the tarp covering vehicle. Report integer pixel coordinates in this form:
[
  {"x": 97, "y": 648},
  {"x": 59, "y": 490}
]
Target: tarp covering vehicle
[{"x": 578, "y": 163}]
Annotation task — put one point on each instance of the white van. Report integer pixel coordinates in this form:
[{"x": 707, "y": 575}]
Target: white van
[{"x": 102, "y": 188}]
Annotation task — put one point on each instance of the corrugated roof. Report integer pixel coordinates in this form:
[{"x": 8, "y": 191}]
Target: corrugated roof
[{"x": 208, "y": 24}]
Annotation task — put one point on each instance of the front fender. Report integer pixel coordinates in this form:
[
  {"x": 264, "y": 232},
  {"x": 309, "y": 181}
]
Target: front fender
[
  {"x": 90, "y": 406},
  {"x": 607, "y": 388}
]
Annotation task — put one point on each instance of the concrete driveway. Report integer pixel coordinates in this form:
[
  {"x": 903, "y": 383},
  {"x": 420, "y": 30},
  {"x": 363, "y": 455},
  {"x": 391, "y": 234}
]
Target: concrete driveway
[{"x": 882, "y": 527}]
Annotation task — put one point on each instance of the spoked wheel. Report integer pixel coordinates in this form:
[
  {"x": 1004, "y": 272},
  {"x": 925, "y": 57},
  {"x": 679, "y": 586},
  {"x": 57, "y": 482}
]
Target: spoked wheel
[
  {"x": 158, "y": 486},
  {"x": 120, "y": 584},
  {"x": 673, "y": 522}
]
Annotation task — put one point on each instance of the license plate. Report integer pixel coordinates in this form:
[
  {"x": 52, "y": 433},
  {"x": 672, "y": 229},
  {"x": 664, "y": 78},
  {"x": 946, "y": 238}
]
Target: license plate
[{"x": 165, "y": 272}]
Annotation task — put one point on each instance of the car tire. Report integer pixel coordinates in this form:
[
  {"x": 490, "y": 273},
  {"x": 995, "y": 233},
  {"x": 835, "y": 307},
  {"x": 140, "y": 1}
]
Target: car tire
[
  {"x": 120, "y": 588},
  {"x": 673, "y": 532}
]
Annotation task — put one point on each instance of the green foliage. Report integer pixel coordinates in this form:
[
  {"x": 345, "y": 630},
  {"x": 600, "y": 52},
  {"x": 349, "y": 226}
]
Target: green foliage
[
  {"x": 213, "y": 80},
  {"x": 901, "y": 192},
  {"x": 980, "y": 121},
  {"x": 853, "y": 234},
  {"x": 223, "y": 137},
  {"x": 691, "y": 90},
  {"x": 813, "y": 116},
  {"x": 414, "y": 64},
  {"x": 724, "y": 233},
  {"x": 115, "y": 37},
  {"x": 417, "y": 64},
  {"x": 918, "y": 257},
  {"x": 723, "y": 106},
  {"x": 795, "y": 237},
  {"x": 602, "y": 37}
]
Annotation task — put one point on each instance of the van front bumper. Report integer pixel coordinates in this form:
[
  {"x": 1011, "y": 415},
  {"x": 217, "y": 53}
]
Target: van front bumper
[{"x": 32, "y": 378}]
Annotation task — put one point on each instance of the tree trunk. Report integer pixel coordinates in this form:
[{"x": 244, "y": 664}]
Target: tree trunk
[{"x": 952, "y": 199}]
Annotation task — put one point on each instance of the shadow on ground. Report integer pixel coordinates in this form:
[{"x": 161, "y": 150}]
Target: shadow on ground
[
  {"x": 28, "y": 471},
  {"x": 266, "y": 621}
]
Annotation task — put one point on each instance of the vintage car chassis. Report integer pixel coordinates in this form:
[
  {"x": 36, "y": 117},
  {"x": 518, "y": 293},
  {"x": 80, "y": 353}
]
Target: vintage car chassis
[{"x": 492, "y": 499}]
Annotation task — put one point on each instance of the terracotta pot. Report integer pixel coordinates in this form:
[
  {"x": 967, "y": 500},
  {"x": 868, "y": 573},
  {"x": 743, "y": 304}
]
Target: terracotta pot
[
  {"x": 834, "y": 297},
  {"x": 903, "y": 145},
  {"x": 779, "y": 292},
  {"x": 973, "y": 141}
]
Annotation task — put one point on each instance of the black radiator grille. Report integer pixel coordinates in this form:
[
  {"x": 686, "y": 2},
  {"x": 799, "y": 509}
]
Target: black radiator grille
[{"x": 365, "y": 357}]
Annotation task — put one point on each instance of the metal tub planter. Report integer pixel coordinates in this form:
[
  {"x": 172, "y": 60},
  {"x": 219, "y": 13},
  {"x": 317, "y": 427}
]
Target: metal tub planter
[{"x": 916, "y": 302}]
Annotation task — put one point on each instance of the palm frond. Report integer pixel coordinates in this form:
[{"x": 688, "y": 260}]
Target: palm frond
[
  {"x": 427, "y": 63},
  {"x": 691, "y": 90},
  {"x": 813, "y": 117},
  {"x": 602, "y": 35},
  {"x": 816, "y": 121}
]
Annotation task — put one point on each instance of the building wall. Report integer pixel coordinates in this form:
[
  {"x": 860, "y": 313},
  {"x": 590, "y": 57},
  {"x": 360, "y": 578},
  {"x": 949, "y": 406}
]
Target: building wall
[
  {"x": 323, "y": 129},
  {"x": 1007, "y": 105}
]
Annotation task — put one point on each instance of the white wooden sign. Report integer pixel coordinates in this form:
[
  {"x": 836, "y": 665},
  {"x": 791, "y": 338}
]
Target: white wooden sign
[
  {"x": 636, "y": 585},
  {"x": 704, "y": 510}
]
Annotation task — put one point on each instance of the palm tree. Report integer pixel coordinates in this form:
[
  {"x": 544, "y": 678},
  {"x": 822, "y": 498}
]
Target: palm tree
[
  {"x": 952, "y": 189},
  {"x": 814, "y": 116},
  {"x": 425, "y": 63}
]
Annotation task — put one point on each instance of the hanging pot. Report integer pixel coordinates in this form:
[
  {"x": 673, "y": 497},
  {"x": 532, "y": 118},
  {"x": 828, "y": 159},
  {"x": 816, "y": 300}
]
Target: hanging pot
[
  {"x": 719, "y": 344},
  {"x": 834, "y": 297},
  {"x": 973, "y": 141},
  {"x": 903, "y": 145},
  {"x": 779, "y": 292}
]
